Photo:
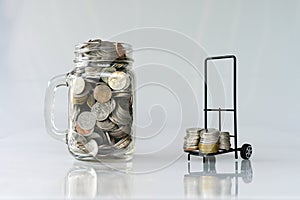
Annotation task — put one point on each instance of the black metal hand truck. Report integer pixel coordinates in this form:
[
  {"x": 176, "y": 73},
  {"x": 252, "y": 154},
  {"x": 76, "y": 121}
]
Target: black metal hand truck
[{"x": 246, "y": 149}]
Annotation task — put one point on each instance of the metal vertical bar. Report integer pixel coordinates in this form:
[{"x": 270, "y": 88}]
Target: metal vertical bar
[
  {"x": 220, "y": 119},
  {"x": 235, "y": 106},
  {"x": 236, "y": 179},
  {"x": 205, "y": 94}
]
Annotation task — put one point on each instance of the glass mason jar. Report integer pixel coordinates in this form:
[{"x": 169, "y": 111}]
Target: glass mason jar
[{"x": 101, "y": 102}]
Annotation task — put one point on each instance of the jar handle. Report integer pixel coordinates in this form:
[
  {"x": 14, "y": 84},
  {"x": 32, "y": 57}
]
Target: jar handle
[{"x": 53, "y": 84}]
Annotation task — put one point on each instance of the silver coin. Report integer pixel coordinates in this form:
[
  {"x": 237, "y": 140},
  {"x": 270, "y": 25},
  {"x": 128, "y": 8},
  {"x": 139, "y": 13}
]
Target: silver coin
[
  {"x": 128, "y": 81},
  {"x": 121, "y": 93},
  {"x": 121, "y": 113},
  {"x": 109, "y": 139},
  {"x": 120, "y": 132},
  {"x": 106, "y": 73},
  {"x": 86, "y": 120},
  {"x": 123, "y": 143},
  {"x": 121, "y": 118},
  {"x": 194, "y": 130},
  {"x": 85, "y": 92},
  {"x": 76, "y": 143},
  {"x": 106, "y": 125},
  {"x": 101, "y": 110},
  {"x": 92, "y": 147},
  {"x": 118, "y": 80},
  {"x": 209, "y": 132},
  {"x": 112, "y": 104},
  {"x": 78, "y": 85}
]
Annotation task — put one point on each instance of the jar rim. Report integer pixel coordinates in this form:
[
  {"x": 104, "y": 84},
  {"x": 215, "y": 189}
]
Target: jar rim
[
  {"x": 80, "y": 47},
  {"x": 97, "y": 51}
]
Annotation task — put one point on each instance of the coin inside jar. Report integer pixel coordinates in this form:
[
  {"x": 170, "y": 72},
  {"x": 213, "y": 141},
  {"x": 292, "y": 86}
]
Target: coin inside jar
[
  {"x": 83, "y": 132},
  {"x": 118, "y": 80},
  {"x": 78, "y": 85},
  {"x": 106, "y": 72},
  {"x": 102, "y": 93},
  {"x": 120, "y": 50},
  {"x": 101, "y": 110},
  {"x": 86, "y": 120},
  {"x": 92, "y": 147}
]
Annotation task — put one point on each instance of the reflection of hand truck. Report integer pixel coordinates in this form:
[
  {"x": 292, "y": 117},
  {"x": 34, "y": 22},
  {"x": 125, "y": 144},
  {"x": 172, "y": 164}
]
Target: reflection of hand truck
[
  {"x": 246, "y": 149},
  {"x": 210, "y": 172}
]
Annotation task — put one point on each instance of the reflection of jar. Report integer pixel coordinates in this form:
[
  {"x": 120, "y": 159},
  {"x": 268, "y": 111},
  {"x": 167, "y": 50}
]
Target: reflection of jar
[
  {"x": 100, "y": 102},
  {"x": 88, "y": 180}
]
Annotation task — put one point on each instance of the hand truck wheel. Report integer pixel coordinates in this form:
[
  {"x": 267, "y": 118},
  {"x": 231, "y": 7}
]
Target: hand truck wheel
[{"x": 246, "y": 151}]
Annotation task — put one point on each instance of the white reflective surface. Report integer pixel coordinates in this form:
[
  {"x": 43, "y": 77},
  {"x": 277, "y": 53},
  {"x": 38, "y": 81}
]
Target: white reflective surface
[{"x": 43, "y": 168}]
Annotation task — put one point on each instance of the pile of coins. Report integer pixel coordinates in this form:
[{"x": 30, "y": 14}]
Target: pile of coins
[
  {"x": 224, "y": 142},
  {"x": 191, "y": 140},
  {"x": 206, "y": 140},
  {"x": 209, "y": 140},
  {"x": 102, "y": 101}
]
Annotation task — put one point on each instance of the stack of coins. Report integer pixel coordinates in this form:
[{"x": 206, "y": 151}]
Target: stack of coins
[
  {"x": 209, "y": 141},
  {"x": 191, "y": 140},
  {"x": 224, "y": 142},
  {"x": 101, "y": 99}
]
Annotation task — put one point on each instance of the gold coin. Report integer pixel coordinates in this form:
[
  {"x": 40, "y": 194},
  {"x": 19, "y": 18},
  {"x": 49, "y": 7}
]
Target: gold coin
[
  {"x": 208, "y": 148},
  {"x": 102, "y": 93}
]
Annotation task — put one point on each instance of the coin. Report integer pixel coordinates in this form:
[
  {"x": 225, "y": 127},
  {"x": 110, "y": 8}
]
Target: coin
[
  {"x": 92, "y": 147},
  {"x": 102, "y": 93},
  {"x": 79, "y": 100},
  {"x": 106, "y": 72},
  {"x": 123, "y": 143},
  {"x": 109, "y": 139},
  {"x": 82, "y": 131},
  {"x": 90, "y": 101},
  {"x": 106, "y": 125},
  {"x": 120, "y": 50},
  {"x": 86, "y": 91},
  {"x": 112, "y": 104},
  {"x": 86, "y": 120},
  {"x": 78, "y": 85},
  {"x": 208, "y": 148},
  {"x": 101, "y": 110},
  {"x": 190, "y": 148},
  {"x": 224, "y": 142},
  {"x": 121, "y": 114},
  {"x": 191, "y": 140},
  {"x": 118, "y": 80},
  {"x": 121, "y": 93},
  {"x": 120, "y": 132},
  {"x": 194, "y": 130}
]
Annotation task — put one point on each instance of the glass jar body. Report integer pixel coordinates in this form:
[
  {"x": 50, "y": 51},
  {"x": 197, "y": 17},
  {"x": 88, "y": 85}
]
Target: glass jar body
[{"x": 101, "y": 112}]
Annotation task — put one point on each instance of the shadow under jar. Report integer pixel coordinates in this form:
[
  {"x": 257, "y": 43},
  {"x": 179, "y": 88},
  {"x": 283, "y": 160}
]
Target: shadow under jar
[{"x": 101, "y": 97}]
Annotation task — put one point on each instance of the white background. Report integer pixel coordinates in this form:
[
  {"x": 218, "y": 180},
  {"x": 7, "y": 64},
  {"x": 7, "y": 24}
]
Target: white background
[{"x": 171, "y": 40}]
